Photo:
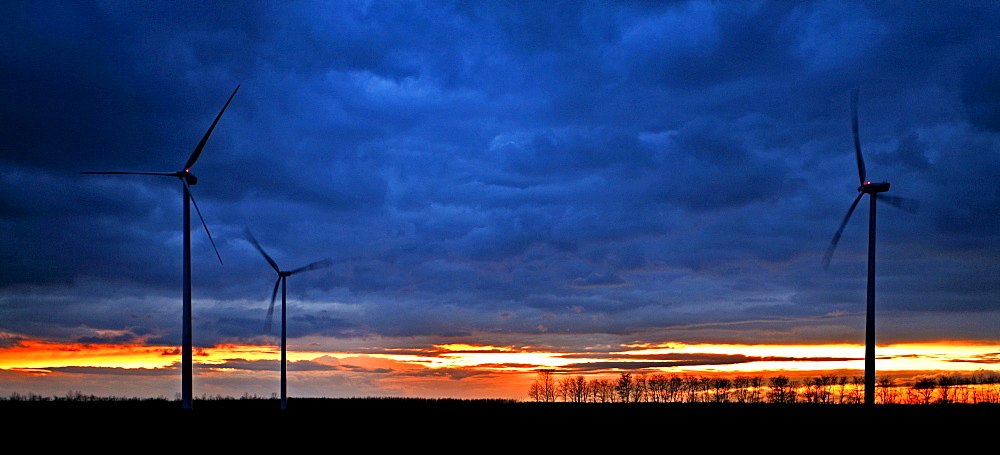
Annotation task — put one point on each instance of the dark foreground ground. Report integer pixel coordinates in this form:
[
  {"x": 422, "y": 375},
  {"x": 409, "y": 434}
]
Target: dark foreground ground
[{"x": 412, "y": 423}]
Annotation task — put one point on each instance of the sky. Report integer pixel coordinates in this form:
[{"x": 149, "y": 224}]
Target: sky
[{"x": 500, "y": 186}]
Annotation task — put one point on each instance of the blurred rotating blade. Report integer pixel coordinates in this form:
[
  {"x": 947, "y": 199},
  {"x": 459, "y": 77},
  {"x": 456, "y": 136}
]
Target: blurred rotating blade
[
  {"x": 315, "y": 265},
  {"x": 836, "y": 237},
  {"x": 857, "y": 142},
  {"x": 253, "y": 241},
  {"x": 905, "y": 204},
  {"x": 196, "y": 209},
  {"x": 270, "y": 308},
  {"x": 201, "y": 145},
  {"x": 171, "y": 174}
]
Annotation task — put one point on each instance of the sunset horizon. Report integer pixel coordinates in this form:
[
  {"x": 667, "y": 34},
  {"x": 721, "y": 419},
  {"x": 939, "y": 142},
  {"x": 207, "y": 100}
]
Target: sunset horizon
[
  {"x": 484, "y": 191},
  {"x": 456, "y": 370}
]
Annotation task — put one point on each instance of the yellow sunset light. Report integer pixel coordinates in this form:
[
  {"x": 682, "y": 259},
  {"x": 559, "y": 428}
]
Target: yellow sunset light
[{"x": 667, "y": 357}]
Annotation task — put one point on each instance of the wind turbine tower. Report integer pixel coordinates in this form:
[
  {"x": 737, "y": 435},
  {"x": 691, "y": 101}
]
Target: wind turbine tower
[
  {"x": 282, "y": 280},
  {"x": 875, "y": 191},
  {"x": 187, "y": 179}
]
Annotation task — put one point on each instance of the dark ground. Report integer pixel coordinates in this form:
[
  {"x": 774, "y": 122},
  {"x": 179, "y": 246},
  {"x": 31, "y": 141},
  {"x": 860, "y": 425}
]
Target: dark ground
[{"x": 413, "y": 423}]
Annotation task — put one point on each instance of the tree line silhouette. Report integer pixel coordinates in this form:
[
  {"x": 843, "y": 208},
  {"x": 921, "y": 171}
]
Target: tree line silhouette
[{"x": 982, "y": 386}]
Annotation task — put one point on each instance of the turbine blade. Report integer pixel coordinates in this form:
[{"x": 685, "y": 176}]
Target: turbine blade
[
  {"x": 270, "y": 308},
  {"x": 201, "y": 145},
  {"x": 857, "y": 142},
  {"x": 259, "y": 248},
  {"x": 840, "y": 230},
  {"x": 315, "y": 265},
  {"x": 171, "y": 174},
  {"x": 196, "y": 209},
  {"x": 905, "y": 204}
]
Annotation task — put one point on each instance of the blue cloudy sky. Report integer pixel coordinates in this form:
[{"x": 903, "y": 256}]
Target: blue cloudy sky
[{"x": 497, "y": 172}]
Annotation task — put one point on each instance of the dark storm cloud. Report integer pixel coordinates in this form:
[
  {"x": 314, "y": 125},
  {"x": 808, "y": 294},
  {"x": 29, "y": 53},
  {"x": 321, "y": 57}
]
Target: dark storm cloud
[
  {"x": 600, "y": 279},
  {"x": 980, "y": 94},
  {"x": 269, "y": 365},
  {"x": 692, "y": 360},
  {"x": 993, "y": 357},
  {"x": 8, "y": 340},
  {"x": 514, "y": 167},
  {"x": 116, "y": 371},
  {"x": 450, "y": 373},
  {"x": 643, "y": 362}
]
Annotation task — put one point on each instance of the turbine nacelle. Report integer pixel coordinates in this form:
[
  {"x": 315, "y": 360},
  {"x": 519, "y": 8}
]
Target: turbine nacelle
[
  {"x": 871, "y": 187},
  {"x": 187, "y": 176}
]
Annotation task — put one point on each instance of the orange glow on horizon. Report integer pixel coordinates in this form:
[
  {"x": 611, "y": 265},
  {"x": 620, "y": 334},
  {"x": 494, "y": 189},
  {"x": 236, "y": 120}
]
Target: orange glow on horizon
[
  {"x": 41, "y": 355},
  {"x": 670, "y": 357},
  {"x": 935, "y": 356}
]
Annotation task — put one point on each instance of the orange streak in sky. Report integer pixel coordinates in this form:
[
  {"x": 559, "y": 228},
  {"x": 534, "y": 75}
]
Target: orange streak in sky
[
  {"x": 40, "y": 354},
  {"x": 942, "y": 356},
  {"x": 947, "y": 356}
]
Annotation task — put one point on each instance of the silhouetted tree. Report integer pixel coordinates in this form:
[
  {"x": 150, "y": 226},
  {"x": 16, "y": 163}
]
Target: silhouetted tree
[
  {"x": 573, "y": 389},
  {"x": 963, "y": 386},
  {"x": 640, "y": 388},
  {"x": 704, "y": 388},
  {"x": 817, "y": 389},
  {"x": 695, "y": 388},
  {"x": 690, "y": 389},
  {"x": 924, "y": 388},
  {"x": 603, "y": 390},
  {"x": 675, "y": 391},
  {"x": 580, "y": 389},
  {"x": 782, "y": 390},
  {"x": 756, "y": 389},
  {"x": 544, "y": 387},
  {"x": 842, "y": 382},
  {"x": 946, "y": 383},
  {"x": 534, "y": 391},
  {"x": 987, "y": 386},
  {"x": 857, "y": 389},
  {"x": 885, "y": 390},
  {"x": 658, "y": 385},
  {"x": 623, "y": 388},
  {"x": 982, "y": 386},
  {"x": 741, "y": 389},
  {"x": 720, "y": 389}
]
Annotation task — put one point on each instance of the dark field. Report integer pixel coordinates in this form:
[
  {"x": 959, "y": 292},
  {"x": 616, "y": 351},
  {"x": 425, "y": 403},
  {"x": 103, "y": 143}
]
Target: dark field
[{"x": 399, "y": 422}]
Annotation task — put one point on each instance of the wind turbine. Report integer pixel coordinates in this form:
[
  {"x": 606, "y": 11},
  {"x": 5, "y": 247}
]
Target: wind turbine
[
  {"x": 874, "y": 190},
  {"x": 282, "y": 280},
  {"x": 187, "y": 179}
]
